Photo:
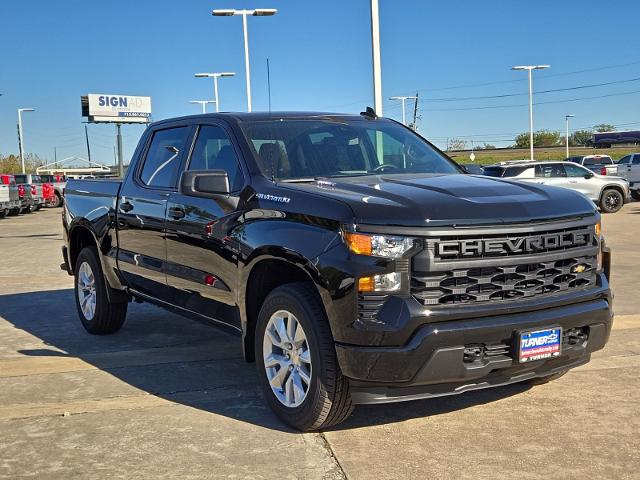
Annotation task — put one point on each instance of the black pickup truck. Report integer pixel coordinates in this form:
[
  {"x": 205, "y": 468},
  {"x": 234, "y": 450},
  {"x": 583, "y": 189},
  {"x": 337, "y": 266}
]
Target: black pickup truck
[{"x": 357, "y": 262}]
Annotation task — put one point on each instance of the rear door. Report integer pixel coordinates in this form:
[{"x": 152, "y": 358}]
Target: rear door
[
  {"x": 551, "y": 174},
  {"x": 201, "y": 267},
  {"x": 142, "y": 209}
]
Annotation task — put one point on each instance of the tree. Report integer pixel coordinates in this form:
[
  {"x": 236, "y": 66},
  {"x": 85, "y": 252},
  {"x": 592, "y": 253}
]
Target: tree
[
  {"x": 457, "y": 144},
  {"x": 541, "y": 138},
  {"x": 604, "y": 127},
  {"x": 579, "y": 137},
  {"x": 11, "y": 163},
  {"x": 487, "y": 146}
]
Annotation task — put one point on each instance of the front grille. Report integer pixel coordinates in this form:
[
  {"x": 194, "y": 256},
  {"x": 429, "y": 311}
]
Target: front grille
[
  {"x": 504, "y": 283},
  {"x": 504, "y": 267}
]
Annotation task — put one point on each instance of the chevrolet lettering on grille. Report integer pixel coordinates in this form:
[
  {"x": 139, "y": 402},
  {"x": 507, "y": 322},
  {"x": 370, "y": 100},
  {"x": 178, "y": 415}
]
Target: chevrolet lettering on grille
[{"x": 496, "y": 246}]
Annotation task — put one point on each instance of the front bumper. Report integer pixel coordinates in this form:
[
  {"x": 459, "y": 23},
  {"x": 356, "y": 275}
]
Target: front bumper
[{"x": 435, "y": 361}]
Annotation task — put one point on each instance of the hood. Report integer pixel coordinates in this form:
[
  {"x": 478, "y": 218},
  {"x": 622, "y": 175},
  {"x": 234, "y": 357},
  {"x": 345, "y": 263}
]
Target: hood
[{"x": 421, "y": 200}]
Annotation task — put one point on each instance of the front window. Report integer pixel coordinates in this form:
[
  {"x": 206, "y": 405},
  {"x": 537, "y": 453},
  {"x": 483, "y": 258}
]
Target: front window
[{"x": 294, "y": 149}]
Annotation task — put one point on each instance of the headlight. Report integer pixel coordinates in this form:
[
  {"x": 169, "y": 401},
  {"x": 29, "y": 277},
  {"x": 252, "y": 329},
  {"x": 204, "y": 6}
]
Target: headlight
[
  {"x": 386, "y": 246},
  {"x": 599, "y": 236}
]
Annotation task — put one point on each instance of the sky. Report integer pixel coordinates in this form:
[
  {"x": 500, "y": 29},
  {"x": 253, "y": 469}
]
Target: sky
[{"x": 51, "y": 53}]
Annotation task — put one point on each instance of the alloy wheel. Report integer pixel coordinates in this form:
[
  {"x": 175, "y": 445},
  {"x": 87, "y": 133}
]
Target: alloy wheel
[
  {"x": 86, "y": 291},
  {"x": 287, "y": 358}
]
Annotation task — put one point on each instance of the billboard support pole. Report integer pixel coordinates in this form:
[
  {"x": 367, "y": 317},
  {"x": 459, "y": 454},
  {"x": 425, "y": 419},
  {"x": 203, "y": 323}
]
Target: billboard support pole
[{"x": 119, "y": 142}]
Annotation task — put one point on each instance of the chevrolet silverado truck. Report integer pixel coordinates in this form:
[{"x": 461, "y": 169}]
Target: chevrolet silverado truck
[{"x": 356, "y": 262}]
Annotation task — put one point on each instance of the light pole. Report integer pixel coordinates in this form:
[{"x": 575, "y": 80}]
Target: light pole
[
  {"x": 215, "y": 77},
  {"x": 530, "y": 68},
  {"x": 20, "y": 135},
  {"x": 203, "y": 103},
  {"x": 375, "y": 54},
  {"x": 566, "y": 122},
  {"x": 258, "y": 12},
  {"x": 403, "y": 99}
]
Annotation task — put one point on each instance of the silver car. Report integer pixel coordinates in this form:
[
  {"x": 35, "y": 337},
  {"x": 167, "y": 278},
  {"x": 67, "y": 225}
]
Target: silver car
[
  {"x": 608, "y": 192},
  {"x": 629, "y": 169}
]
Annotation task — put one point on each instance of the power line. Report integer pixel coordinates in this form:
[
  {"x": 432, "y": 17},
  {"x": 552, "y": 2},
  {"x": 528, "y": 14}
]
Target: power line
[
  {"x": 490, "y": 107},
  {"x": 505, "y": 95}
]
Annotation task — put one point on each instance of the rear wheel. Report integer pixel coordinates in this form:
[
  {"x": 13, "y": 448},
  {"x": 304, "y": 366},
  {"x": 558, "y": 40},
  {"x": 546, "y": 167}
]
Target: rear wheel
[
  {"x": 97, "y": 314},
  {"x": 611, "y": 201},
  {"x": 14, "y": 211},
  {"x": 3, "y": 213},
  {"x": 635, "y": 194},
  {"x": 56, "y": 201},
  {"x": 296, "y": 360}
]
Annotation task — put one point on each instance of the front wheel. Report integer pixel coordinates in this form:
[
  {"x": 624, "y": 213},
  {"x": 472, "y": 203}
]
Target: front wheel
[
  {"x": 611, "y": 201},
  {"x": 97, "y": 313},
  {"x": 635, "y": 194},
  {"x": 296, "y": 360}
]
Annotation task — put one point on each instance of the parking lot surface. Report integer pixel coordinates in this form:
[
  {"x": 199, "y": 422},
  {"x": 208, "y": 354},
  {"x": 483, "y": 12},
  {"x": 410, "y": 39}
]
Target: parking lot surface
[{"x": 167, "y": 397}]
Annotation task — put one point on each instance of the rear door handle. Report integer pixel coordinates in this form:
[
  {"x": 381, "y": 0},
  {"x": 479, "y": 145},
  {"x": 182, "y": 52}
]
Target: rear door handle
[
  {"x": 126, "y": 207},
  {"x": 176, "y": 212}
]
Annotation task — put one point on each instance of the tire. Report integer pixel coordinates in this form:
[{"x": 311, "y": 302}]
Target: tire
[
  {"x": 635, "y": 194},
  {"x": 56, "y": 201},
  {"x": 14, "y": 211},
  {"x": 327, "y": 400},
  {"x": 105, "y": 317},
  {"x": 542, "y": 380},
  {"x": 26, "y": 210},
  {"x": 4, "y": 213},
  {"x": 611, "y": 201}
]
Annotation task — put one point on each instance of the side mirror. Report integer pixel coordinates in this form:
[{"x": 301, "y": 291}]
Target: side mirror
[
  {"x": 204, "y": 183},
  {"x": 589, "y": 175}
]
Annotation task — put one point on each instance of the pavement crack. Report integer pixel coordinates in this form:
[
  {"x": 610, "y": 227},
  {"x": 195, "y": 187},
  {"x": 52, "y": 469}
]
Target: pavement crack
[{"x": 332, "y": 454}]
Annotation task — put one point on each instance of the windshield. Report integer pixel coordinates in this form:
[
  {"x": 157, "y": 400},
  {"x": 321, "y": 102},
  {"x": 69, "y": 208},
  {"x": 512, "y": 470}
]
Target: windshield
[{"x": 307, "y": 149}]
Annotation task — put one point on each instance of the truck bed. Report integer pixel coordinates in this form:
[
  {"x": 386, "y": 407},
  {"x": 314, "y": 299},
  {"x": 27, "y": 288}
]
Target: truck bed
[{"x": 92, "y": 198}]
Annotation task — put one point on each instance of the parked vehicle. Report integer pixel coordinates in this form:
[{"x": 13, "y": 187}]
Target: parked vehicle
[
  {"x": 25, "y": 194},
  {"x": 34, "y": 183},
  {"x": 606, "y": 139},
  {"x": 59, "y": 182},
  {"x": 355, "y": 260},
  {"x": 600, "y": 164},
  {"x": 472, "y": 168},
  {"x": 629, "y": 169},
  {"x": 608, "y": 192},
  {"x": 9, "y": 198}
]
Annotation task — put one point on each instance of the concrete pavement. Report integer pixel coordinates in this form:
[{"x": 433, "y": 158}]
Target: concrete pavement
[{"x": 170, "y": 398}]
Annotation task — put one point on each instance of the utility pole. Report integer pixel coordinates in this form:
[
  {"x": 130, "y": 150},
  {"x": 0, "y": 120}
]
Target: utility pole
[
  {"x": 86, "y": 136},
  {"x": 119, "y": 143},
  {"x": 55, "y": 154},
  {"x": 20, "y": 135},
  {"x": 415, "y": 114}
]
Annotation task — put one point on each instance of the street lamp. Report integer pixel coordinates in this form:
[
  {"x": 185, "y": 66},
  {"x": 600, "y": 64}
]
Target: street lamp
[
  {"x": 203, "y": 103},
  {"x": 566, "y": 121},
  {"x": 259, "y": 12},
  {"x": 404, "y": 118},
  {"x": 375, "y": 57},
  {"x": 215, "y": 77},
  {"x": 530, "y": 68},
  {"x": 20, "y": 135}
]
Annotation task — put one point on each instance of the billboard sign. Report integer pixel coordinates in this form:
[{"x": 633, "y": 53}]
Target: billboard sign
[{"x": 116, "y": 108}]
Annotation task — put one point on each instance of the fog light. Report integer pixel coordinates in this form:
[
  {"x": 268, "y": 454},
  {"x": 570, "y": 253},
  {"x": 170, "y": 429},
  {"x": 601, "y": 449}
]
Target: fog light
[{"x": 389, "y": 282}]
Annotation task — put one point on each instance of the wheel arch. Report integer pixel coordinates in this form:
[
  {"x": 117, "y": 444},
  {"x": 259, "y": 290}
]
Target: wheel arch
[{"x": 261, "y": 276}]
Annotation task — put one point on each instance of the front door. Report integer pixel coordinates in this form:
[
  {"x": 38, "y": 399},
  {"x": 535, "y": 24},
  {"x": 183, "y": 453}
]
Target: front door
[
  {"x": 201, "y": 267},
  {"x": 142, "y": 211}
]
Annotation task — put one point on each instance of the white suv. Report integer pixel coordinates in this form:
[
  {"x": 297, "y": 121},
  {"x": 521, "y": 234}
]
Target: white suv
[{"x": 608, "y": 192}]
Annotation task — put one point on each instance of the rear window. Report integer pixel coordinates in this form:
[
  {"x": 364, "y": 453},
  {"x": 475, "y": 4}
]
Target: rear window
[
  {"x": 590, "y": 161},
  {"x": 21, "y": 178},
  {"x": 494, "y": 171}
]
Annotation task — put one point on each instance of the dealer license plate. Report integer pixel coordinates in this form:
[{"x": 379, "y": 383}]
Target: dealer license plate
[{"x": 540, "y": 344}]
